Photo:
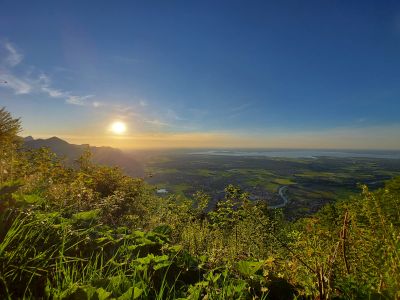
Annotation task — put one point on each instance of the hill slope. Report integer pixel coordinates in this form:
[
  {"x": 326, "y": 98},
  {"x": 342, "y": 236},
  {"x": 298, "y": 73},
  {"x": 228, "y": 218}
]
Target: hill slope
[{"x": 101, "y": 155}]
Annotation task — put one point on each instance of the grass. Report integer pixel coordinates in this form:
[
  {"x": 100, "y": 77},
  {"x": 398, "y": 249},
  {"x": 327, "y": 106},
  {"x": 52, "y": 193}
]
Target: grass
[
  {"x": 284, "y": 181},
  {"x": 159, "y": 160},
  {"x": 206, "y": 172},
  {"x": 180, "y": 189},
  {"x": 50, "y": 253},
  {"x": 308, "y": 173},
  {"x": 246, "y": 171},
  {"x": 271, "y": 186},
  {"x": 47, "y": 256},
  {"x": 154, "y": 170}
]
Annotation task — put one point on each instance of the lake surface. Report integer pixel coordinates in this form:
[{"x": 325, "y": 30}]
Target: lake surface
[{"x": 291, "y": 153}]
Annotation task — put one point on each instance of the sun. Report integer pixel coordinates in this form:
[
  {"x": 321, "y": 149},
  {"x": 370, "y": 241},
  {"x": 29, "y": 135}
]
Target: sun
[{"x": 118, "y": 127}]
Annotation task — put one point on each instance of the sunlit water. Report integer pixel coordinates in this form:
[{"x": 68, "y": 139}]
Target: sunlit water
[{"x": 303, "y": 153}]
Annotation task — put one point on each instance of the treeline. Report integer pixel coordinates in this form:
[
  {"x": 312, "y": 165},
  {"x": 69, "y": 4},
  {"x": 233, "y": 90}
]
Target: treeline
[{"x": 91, "y": 232}]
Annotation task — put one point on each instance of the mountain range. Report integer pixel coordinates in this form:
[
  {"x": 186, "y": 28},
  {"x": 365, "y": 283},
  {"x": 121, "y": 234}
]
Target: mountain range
[{"x": 101, "y": 155}]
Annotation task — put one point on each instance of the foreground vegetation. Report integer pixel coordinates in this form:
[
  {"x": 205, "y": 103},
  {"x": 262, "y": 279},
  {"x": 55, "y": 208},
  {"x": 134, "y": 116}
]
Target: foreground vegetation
[{"x": 90, "y": 232}]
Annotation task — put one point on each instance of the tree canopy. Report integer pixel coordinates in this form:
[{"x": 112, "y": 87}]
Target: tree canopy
[{"x": 9, "y": 126}]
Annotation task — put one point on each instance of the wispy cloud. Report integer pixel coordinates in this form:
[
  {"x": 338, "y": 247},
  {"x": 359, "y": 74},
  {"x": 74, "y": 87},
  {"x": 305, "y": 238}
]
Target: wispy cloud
[
  {"x": 157, "y": 123},
  {"x": 14, "y": 57},
  {"x": 53, "y": 92},
  {"x": 236, "y": 111},
  {"x": 241, "y": 107},
  {"x": 78, "y": 100},
  {"x": 11, "y": 57},
  {"x": 138, "y": 117},
  {"x": 97, "y": 104},
  {"x": 45, "y": 86},
  {"x": 124, "y": 111},
  {"x": 18, "y": 85},
  {"x": 34, "y": 82},
  {"x": 28, "y": 79}
]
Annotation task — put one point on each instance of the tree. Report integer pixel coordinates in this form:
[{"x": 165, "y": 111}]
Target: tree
[{"x": 9, "y": 127}]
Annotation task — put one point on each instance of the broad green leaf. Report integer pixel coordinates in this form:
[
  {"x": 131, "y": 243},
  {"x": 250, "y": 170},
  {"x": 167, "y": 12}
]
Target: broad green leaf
[
  {"x": 102, "y": 294},
  {"x": 131, "y": 293}
]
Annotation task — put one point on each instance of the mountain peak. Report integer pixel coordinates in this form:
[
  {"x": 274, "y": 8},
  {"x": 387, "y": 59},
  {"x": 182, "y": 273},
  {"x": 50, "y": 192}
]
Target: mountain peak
[
  {"x": 56, "y": 139},
  {"x": 101, "y": 155},
  {"x": 28, "y": 138}
]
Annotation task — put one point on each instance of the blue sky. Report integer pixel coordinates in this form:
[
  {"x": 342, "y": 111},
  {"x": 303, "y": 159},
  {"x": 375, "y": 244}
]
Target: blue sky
[{"x": 325, "y": 70}]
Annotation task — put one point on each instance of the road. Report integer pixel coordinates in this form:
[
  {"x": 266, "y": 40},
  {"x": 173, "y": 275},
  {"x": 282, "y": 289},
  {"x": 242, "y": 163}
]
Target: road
[{"x": 285, "y": 200}]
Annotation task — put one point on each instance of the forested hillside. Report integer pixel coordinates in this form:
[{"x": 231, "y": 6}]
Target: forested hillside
[
  {"x": 91, "y": 232},
  {"x": 100, "y": 155}
]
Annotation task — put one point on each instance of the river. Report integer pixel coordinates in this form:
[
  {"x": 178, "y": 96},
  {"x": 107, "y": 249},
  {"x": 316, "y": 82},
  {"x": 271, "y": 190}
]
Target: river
[{"x": 284, "y": 198}]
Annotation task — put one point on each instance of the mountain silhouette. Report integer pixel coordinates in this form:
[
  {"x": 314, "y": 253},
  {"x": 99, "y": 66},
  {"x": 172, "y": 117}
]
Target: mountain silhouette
[{"x": 101, "y": 155}]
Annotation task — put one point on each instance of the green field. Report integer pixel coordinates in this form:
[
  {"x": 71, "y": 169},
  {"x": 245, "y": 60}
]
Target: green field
[{"x": 311, "y": 182}]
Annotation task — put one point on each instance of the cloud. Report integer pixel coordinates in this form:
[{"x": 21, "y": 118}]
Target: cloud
[
  {"x": 97, "y": 104},
  {"x": 14, "y": 57},
  {"x": 34, "y": 82},
  {"x": 241, "y": 107},
  {"x": 136, "y": 116},
  {"x": 44, "y": 85},
  {"x": 18, "y": 85},
  {"x": 29, "y": 79},
  {"x": 78, "y": 100},
  {"x": 53, "y": 92},
  {"x": 237, "y": 110},
  {"x": 156, "y": 122},
  {"x": 11, "y": 58},
  {"x": 124, "y": 111}
]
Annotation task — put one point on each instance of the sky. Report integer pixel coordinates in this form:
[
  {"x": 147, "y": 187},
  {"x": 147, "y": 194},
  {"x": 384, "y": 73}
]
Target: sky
[{"x": 270, "y": 74}]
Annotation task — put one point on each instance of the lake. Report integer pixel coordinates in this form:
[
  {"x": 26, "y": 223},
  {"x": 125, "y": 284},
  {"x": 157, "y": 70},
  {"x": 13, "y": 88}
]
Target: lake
[{"x": 300, "y": 153}]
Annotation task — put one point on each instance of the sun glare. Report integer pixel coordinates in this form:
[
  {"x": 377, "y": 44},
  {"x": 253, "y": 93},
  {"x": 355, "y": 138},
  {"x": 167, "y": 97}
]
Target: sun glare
[{"x": 118, "y": 127}]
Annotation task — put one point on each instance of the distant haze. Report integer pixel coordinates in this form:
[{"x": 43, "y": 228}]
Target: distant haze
[{"x": 363, "y": 138}]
